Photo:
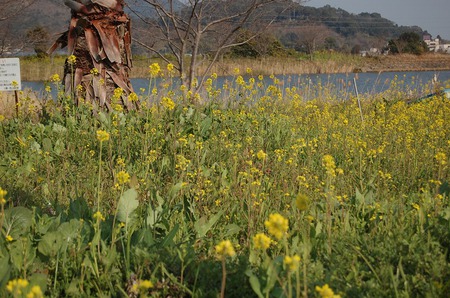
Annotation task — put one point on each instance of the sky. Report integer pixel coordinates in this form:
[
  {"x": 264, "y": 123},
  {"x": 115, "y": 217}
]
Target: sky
[{"x": 430, "y": 15}]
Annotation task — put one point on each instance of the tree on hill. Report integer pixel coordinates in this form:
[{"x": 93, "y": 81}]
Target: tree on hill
[{"x": 408, "y": 42}]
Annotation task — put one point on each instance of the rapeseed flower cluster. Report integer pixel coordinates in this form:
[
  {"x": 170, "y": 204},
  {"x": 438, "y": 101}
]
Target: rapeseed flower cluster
[
  {"x": 291, "y": 263},
  {"x": 141, "y": 286},
  {"x": 326, "y": 292},
  {"x": 123, "y": 177},
  {"x": 224, "y": 249},
  {"x": 277, "y": 225},
  {"x": 102, "y": 136},
  {"x": 154, "y": 70},
  {"x": 3, "y": 194},
  {"x": 261, "y": 241},
  {"x": 20, "y": 287}
]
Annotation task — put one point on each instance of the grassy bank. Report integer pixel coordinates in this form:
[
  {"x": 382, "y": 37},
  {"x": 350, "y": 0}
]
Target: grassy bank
[
  {"x": 256, "y": 192},
  {"x": 33, "y": 69}
]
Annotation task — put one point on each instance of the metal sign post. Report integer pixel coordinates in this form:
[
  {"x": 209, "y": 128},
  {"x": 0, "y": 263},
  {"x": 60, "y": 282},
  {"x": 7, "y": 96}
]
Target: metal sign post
[{"x": 10, "y": 78}]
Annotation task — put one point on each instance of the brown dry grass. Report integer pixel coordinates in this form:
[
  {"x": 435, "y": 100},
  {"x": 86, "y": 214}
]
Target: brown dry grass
[{"x": 28, "y": 104}]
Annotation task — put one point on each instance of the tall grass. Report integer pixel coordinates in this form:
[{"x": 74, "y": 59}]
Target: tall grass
[{"x": 358, "y": 207}]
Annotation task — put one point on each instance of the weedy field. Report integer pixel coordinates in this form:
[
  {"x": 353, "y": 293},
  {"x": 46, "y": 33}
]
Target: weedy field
[{"x": 251, "y": 191}]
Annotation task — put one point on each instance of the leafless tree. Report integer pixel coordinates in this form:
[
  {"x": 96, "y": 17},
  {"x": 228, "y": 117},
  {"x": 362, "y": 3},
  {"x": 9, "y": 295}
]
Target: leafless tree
[
  {"x": 215, "y": 25},
  {"x": 10, "y": 9},
  {"x": 309, "y": 36}
]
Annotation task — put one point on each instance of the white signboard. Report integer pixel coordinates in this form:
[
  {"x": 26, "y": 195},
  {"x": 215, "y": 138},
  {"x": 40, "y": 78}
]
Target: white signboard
[{"x": 10, "y": 74}]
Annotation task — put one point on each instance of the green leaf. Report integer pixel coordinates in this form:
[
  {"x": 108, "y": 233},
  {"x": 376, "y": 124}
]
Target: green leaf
[
  {"x": 50, "y": 244},
  {"x": 4, "y": 270},
  {"x": 22, "y": 253},
  {"x": 202, "y": 227},
  {"x": 47, "y": 144},
  {"x": 17, "y": 221},
  {"x": 169, "y": 238},
  {"x": 128, "y": 202},
  {"x": 254, "y": 282},
  {"x": 232, "y": 229}
]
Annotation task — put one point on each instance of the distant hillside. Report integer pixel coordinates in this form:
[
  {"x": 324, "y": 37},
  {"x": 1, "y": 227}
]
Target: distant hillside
[{"x": 343, "y": 29}]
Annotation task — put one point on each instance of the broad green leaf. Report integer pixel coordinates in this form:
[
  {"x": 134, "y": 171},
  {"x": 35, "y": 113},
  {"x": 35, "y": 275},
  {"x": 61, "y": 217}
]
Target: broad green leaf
[
  {"x": 254, "y": 282},
  {"x": 50, "y": 244},
  {"x": 128, "y": 202},
  {"x": 17, "y": 221},
  {"x": 22, "y": 253},
  {"x": 202, "y": 226},
  {"x": 4, "y": 270}
]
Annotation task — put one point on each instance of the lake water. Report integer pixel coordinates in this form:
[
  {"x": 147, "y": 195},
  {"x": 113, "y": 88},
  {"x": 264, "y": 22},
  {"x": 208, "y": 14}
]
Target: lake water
[{"x": 365, "y": 82}]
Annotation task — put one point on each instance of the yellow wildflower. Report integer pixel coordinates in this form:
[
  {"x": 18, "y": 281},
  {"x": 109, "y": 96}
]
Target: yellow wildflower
[
  {"x": 123, "y": 177},
  {"x": 141, "y": 286},
  {"x": 9, "y": 238},
  {"x": 102, "y": 135},
  {"x": 168, "y": 103},
  {"x": 133, "y": 97},
  {"x": 170, "y": 67},
  {"x": 329, "y": 165},
  {"x": 94, "y": 71},
  {"x": 71, "y": 59},
  {"x": 441, "y": 158},
  {"x": 326, "y": 292},
  {"x": 261, "y": 241},
  {"x": 35, "y": 292},
  {"x": 2, "y": 196},
  {"x": 154, "y": 69},
  {"x": 261, "y": 155},
  {"x": 291, "y": 263},
  {"x": 98, "y": 216},
  {"x": 16, "y": 286},
  {"x": 277, "y": 225},
  {"x": 225, "y": 249},
  {"x": 55, "y": 78}
]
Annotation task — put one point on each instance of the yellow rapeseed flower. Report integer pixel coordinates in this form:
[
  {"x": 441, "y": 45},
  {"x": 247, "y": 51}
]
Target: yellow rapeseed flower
[
  {"x": 441, "y": 158},
  {"x": 94, "y": 71},
  {"x": 133, "y": 97},
  {"x": 168, "y": 103},
  {"x": 329, "y": 165},
  {"x": 123, "y": 177},
  {"x": 141, "y": 286},
  {"x": 261, "y": 241},
  {"x": 98, "y": 216},
  {"x": 326, "y": 292},
  {"x": 102, "y": 135},
  {"x": 71, "y": 59},
  {"x": 277, "y": 225},
  {"x": 225, "y": 249},
  {"x": 55, "y": 78},
  {"x": 291, "y": 263},
  {"x": 3, "y": 194},
  {"x": 35, "y": 292},
  {"x": 261, "y": 155},
  {"x": 16, "y": 286},
  {"x": 155, "y": 69}
]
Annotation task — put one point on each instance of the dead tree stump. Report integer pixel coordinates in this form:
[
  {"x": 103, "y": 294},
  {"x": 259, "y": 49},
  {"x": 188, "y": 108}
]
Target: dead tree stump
[{"x": 99, "y": 45}]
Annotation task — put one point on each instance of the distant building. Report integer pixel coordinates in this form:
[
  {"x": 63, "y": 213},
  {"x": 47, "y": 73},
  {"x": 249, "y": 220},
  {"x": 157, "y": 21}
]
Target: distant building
[{"x": 435, "y": 45}]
